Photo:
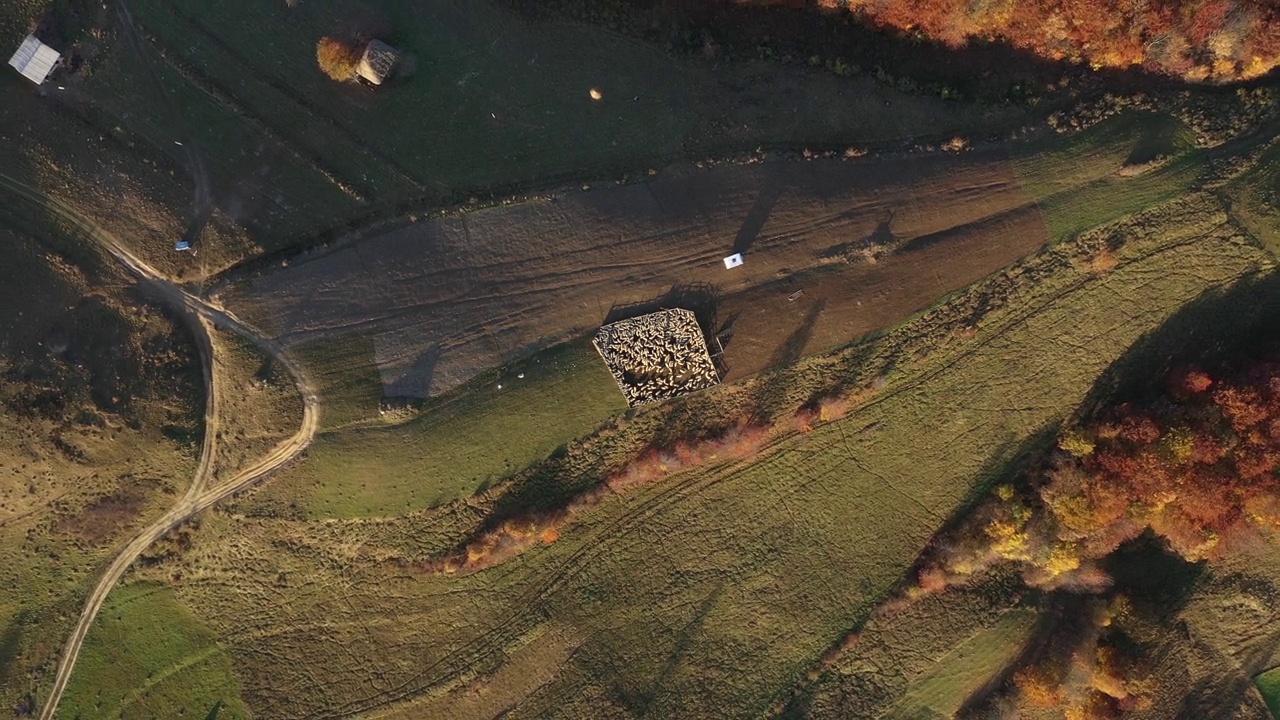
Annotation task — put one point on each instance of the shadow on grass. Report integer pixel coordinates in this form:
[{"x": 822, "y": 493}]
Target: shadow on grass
[
  {"x": 702, "y": 298},
  {"x": 1010, "y": 460},
  {"x": 1221, "y": 326},
  {"x": 1218, "y": 327},
  {"x": 640, "y": 701}
]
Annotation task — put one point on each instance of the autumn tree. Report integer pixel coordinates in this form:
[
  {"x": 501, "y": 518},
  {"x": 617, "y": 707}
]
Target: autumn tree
[
  {"x": 337, "y": 58},
  {"x": 1216, "y": 40},
  {"x": 1196, "y": 466}
]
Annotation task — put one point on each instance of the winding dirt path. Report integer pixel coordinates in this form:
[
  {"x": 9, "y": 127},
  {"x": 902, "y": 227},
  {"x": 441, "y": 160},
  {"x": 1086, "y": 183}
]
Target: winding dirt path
[{"x": 200, "y": 495}]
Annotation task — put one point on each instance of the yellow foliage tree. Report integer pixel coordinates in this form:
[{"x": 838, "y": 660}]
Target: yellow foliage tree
[{"x": 337, "y": 58}]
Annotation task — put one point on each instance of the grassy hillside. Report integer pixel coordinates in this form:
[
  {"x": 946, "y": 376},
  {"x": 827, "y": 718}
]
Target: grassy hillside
[
  {"x": 100, "y": 422},
  {"x": 457, "y": 444},
  {"x": 149, "y": 657},
  {"x": 199, "y": 103},
  {"x": 716, "y": 588},
  {"x": 477, "y": 435}
]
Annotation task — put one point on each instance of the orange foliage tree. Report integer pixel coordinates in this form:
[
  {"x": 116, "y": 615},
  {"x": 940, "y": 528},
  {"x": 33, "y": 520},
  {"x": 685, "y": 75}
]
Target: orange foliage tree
[
  {"x": 337, "y": 58},
  {"x": 1198, "y": 468},
  {"x": 1196, "y": 40}
]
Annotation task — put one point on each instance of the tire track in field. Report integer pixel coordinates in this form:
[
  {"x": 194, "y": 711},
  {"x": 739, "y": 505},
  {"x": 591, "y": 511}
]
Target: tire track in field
[{"x": 507, "y": 628}]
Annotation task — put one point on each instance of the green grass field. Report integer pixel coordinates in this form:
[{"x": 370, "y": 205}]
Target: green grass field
[
  {"x": 96, "y": 433},
  {"x": 942, "y": 690},
  {"x": 494, "y": 103},
  {"x": 1269, "y": 685},
  {"x": 149, "y": 657},
  {"x": 470, "y": 440},
  {"x": 1076, "y": 180},
  {"x": 458, "y": 443},
  {"x": 712, "y": 592}
]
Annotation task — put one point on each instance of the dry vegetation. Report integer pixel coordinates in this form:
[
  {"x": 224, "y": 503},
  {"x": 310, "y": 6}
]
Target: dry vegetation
[
  {"x": 100, "y": 420},
  {"x": 1194, "y": 468},
  {"x": 1197, "y": 469},
  {"x": 537, "y": 551},
  {"x": 259, "y": 404}
]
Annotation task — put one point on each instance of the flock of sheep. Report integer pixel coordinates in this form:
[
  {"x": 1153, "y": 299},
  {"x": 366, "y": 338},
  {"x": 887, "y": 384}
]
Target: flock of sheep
[{"x": 657, "y": 356}]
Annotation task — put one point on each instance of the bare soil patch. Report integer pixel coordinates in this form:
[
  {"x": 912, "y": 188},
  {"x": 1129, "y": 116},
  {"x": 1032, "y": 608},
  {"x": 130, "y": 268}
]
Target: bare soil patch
[
  {"x": 104, "y": 517},
  {"x": 875, "y": 240}
]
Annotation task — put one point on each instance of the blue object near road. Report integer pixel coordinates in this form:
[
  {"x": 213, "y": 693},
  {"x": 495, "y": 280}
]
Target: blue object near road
[{"x": 182, "y": 245}]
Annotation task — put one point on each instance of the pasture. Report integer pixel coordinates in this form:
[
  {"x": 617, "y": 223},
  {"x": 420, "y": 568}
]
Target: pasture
[
  {"x": 1269, "y": 686},
  {"x": 714, "y": 590},
  {"x": 837, "y": 250},
  {"x": 258, "y": 403},
  {"x": 861, "y": 244},
  {"x": 457, "y": 444},
  {"x": 147, "y": 656}
]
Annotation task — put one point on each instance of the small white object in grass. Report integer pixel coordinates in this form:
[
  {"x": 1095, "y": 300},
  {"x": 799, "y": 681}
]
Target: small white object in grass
[
  {"x": 521, "y": 376},
  {"x": 733, "y": 261},
  {"x": 499, "y": 386},
  {"x": 596, "y": 94},
  {"x": 175, "y": 142}
]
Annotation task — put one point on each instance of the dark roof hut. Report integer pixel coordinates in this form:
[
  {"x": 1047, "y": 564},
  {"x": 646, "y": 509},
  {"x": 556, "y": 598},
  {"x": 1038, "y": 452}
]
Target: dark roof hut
[{"x": 378, "y": 61}]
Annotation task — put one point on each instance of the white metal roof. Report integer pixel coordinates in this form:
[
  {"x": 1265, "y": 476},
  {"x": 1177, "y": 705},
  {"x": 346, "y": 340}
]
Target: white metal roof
[
  {"x": 34, "y": 59},
  {"x": 733, "y": 261}
]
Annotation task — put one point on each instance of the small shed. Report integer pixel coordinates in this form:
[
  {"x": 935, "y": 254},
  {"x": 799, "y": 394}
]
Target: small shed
[
  {"x": 35, "y": 60},
  {"x": 378, "y": 61}
]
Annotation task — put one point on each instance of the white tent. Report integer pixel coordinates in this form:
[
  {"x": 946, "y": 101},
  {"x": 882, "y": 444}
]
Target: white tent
[{"x": 34, "y": 59}]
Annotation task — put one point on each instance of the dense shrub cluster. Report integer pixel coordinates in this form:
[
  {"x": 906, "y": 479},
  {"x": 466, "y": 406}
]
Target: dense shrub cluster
[
  {"x": 515, "y": 535},
  {"x": 1216, "y": 40},
  {"x": 1089, "y": 669}
]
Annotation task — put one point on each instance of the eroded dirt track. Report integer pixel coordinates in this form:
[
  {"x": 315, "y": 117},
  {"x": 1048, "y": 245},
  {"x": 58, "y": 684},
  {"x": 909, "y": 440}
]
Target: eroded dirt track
[
  {"x": 199, "y": 313},
  {"x": 868, "y": 242}
]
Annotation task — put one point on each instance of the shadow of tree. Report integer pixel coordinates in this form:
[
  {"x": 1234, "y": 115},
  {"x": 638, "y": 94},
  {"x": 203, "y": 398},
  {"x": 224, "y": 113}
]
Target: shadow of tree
[
  {"x": 639, "y": 702},
  {"x": 1219, "y": 326},
  {"x": 759, "y": 213}
]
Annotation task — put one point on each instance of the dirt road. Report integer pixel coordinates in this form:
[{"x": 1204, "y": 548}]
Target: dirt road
[{"x": 200, "y": 314}]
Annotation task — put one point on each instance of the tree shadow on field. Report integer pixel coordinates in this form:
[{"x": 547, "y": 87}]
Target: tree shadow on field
[
  {"x": 759, "y": 214},
  {"x": 1220, "y": 326},
  {"x": 416, "y": 378},
  {"x": 772, "y": 393},
  {"x": 640, "y": 701},
  {"x": 1222, "y": 694},
  {"x": 213, "y": 711},
  {"x": 1007, "y": 461}
]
